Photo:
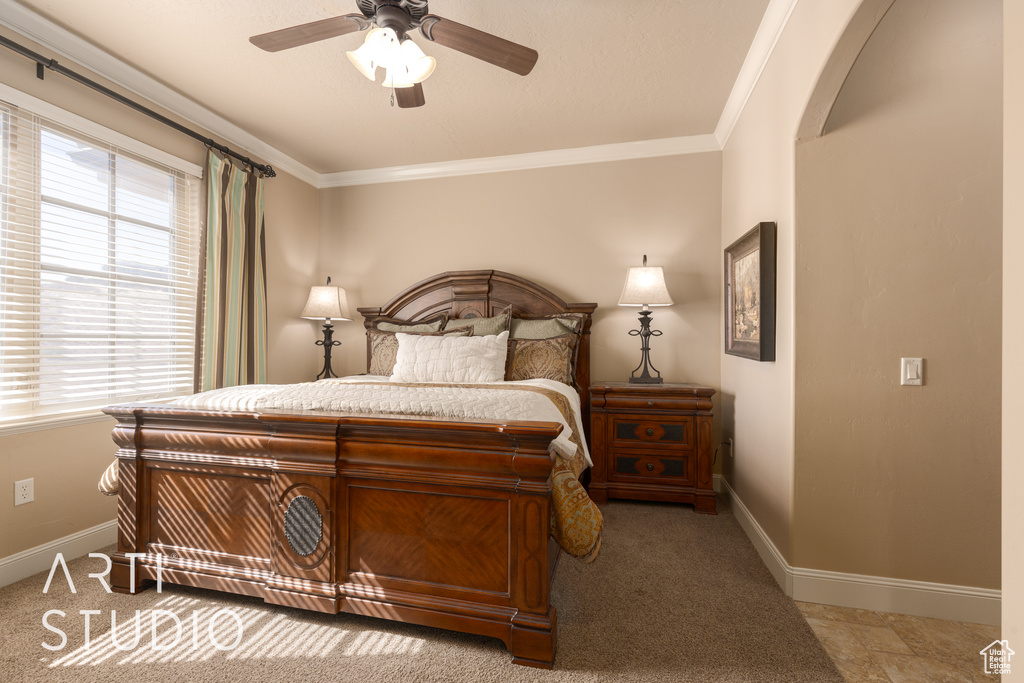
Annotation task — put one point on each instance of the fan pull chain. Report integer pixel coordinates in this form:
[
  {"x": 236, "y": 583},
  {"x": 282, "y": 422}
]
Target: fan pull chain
[{"x": 392, "y": 94}]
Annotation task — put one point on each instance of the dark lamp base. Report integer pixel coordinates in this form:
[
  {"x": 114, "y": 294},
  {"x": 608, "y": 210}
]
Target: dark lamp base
[
  {"x": 645, "y": 333},
  {"x": 328, "y": 343}
]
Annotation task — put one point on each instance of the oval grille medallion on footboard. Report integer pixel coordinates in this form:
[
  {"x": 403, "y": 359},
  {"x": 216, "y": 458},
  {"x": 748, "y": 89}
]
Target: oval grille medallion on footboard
[{"x": 303, "y": 526}]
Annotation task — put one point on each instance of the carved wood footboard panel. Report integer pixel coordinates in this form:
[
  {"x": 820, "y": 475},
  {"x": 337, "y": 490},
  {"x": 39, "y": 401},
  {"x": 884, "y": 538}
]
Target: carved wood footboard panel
[{"x": 438, "y": 523}]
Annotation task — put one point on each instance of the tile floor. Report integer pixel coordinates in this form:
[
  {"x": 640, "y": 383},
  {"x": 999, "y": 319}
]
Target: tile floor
[{"x": 895, "y": 648}]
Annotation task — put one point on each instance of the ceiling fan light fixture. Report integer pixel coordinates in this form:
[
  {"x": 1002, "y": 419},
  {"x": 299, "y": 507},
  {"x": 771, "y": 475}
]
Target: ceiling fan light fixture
[
  {"x": 379, "y": 49},
  {"x": 410, "y": 68},
  {"x": 386, "y": 45}
]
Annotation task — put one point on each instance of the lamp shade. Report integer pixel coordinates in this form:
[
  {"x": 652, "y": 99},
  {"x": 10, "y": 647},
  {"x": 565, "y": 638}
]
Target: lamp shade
[
  {"x": 327, "y": 303},
  {"x": 645, "y": 286}
]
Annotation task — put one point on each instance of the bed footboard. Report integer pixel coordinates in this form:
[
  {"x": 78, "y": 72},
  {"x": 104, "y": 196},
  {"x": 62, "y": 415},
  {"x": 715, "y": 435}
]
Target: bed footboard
[{"x": 418, "y": 520}]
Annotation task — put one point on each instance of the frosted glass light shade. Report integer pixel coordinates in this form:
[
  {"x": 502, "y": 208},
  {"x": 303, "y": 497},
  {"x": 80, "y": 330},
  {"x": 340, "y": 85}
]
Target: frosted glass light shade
[
  {"x": 363, "y": 62},
  {"x": 645, "y": 286},
  {"x": 411, "y": 67},
  {"x": 379, "y": 49},
  {"x": 327, "y": 303}
]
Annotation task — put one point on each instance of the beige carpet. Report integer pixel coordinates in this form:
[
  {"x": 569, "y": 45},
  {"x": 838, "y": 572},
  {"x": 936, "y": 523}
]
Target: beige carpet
[{"x": 675, "y": 596}]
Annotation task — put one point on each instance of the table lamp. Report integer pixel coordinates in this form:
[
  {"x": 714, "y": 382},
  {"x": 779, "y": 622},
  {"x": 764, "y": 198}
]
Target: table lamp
[
  {"x": 327, "y": 303},
  {"x": 645, "y": 287}
]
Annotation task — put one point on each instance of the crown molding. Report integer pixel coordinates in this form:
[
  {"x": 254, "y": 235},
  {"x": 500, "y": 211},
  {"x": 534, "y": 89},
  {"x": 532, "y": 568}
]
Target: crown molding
[
  {"x": 69, "y": 46},
  {"x": 620, "y": 151},
  {"x": 776, "y": 15}
]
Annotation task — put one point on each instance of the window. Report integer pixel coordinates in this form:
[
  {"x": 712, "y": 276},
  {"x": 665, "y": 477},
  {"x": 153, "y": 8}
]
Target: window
[{"x": 98, "y": 270}]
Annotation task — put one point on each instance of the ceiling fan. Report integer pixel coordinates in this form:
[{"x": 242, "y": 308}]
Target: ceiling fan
[{"x": 388, "y": 46}]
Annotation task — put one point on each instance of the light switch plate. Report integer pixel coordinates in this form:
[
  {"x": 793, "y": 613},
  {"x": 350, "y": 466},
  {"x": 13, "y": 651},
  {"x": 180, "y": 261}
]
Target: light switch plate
[{"x": 912, "y": 371}]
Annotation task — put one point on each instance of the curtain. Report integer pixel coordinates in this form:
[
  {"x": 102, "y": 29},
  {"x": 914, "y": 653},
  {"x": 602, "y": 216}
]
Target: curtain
[{"x": 234, "y": 310}]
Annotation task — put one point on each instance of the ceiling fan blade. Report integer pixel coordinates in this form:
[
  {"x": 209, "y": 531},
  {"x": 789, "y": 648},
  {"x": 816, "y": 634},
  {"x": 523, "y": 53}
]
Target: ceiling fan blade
[
  {"x": 410, "y": 97},
  {"x": 498, "y": 51},
  {"x": 303, "y": 34}
]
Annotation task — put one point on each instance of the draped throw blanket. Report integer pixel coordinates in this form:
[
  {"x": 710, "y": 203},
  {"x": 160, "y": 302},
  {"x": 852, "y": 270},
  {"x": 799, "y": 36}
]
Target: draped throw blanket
[{"x": 234, "y": 332}]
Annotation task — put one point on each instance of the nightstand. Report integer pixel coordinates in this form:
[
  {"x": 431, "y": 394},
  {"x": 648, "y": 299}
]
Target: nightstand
[{"x": 652, "y": 442}]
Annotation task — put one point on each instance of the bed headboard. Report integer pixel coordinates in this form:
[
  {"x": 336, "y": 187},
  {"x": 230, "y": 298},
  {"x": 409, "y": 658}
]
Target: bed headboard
[{"x": 483, "y": 293}]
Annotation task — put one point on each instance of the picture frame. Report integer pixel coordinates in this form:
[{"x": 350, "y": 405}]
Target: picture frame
[{"x": 750, "y": 294}]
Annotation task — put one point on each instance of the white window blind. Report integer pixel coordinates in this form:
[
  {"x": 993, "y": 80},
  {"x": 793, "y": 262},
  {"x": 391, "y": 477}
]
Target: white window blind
[{"x": 98, "y": 271}]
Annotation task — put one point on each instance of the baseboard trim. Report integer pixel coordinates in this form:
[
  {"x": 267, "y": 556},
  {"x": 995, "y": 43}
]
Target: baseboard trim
[
  {"x": 919, "y": 598},
  {"x": 877, "y": 593},
  {"x": 770, "y": 555},
  {"x": 34, "y": 560}
]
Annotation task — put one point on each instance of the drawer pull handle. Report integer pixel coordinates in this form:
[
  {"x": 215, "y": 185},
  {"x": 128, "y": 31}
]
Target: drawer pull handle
[
  {"x": 650, "y": 432},
  {"x": 650, "y": 404},
  {"x": 650, "y": 467}
]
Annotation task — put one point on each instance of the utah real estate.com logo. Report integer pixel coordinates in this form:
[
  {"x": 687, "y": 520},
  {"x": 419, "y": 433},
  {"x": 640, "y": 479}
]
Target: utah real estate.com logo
[{"x": 997, "y": 657}]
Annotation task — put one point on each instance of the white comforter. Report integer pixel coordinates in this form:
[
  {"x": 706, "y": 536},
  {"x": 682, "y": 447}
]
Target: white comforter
[{"x": 369, "y": 394}]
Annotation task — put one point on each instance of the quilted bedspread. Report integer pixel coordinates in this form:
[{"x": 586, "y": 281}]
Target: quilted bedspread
[{"x": 575, "y": 521}]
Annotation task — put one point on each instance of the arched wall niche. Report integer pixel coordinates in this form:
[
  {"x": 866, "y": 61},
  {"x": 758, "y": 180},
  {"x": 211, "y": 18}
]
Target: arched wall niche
[{"x": 836, "y": 70}]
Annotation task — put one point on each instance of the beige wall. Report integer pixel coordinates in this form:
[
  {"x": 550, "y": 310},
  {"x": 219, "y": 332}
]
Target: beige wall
[
  {"x": 898, "y": 254},
  {"x": 758, "y": 185},
  {"x": 67, "y": 462},
  {"x": 292, "y": 235},
  {"x": 573, "y": 229},
  {"x": 1013, "y": 328}
]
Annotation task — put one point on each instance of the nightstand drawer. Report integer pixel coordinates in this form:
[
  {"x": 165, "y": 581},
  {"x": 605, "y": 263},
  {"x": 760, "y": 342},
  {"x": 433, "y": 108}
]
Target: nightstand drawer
[
  {"x": 649, "y": 466},
  {"x": 636, "y": 430},
  {"x": 642, "y": 403}
]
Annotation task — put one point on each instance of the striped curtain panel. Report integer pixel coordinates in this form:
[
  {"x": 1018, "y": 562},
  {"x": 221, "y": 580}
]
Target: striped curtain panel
[{"x": 234, "y": 330}]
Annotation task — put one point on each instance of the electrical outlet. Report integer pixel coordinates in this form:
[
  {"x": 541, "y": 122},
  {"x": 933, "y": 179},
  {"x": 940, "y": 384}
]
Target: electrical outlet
[
  {"x": 24, "y": 491},
  {"x": 730, "y": 448}
]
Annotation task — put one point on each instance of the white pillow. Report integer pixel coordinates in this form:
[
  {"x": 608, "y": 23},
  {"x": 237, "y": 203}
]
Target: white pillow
[{"x": 450, "y": 359}]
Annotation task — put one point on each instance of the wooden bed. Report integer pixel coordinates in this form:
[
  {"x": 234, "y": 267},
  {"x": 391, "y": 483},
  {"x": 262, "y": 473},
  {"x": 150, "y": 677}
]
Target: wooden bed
[{"x": 422, "y": 520}]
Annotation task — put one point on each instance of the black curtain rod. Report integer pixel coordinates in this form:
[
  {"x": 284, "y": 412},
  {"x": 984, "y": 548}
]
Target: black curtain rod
[{"x": 52, "y": 64}]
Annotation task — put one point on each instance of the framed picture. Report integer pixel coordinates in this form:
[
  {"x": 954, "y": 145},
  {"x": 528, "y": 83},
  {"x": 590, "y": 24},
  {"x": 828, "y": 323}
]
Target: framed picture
[{"x": 750, "y": 294}]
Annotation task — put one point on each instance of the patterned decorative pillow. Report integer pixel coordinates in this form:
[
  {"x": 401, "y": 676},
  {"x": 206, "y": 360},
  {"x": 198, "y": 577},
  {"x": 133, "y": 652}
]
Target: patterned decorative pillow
[
  {"x": 384, "y": 349},
  {"x": 551, "y": 358},
  {"x": 546, "y": 326},
  {"x": 432, "y": 324},
  {"x": 482, "y": 326}
]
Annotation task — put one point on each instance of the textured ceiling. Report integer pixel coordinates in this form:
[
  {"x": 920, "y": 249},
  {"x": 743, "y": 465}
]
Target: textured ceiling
[{"x": 609, "y": 71}]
